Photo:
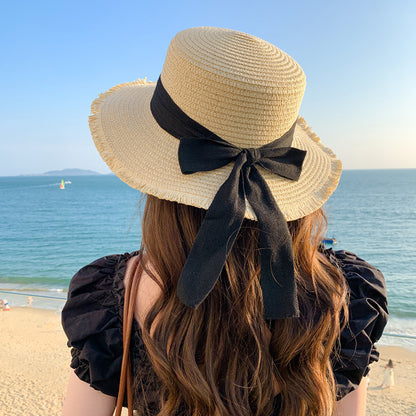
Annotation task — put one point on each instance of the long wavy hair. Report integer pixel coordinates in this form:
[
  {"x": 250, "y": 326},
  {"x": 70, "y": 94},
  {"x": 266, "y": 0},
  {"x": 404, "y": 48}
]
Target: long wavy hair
[{"x": 224, "y": 358}]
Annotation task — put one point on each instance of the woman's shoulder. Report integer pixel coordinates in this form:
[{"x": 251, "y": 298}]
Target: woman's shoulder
[
  {"x": 367, "y": 317},
  {"x": 356, "y": 269},
  {"x": 92, "y": 319},
  {"x": 367, "y": 291},
  {"x": 99, "y": 270},
  {"x": 98, "y": 283}
]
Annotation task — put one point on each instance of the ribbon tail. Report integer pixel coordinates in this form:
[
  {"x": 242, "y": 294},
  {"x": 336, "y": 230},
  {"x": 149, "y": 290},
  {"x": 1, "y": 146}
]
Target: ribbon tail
[
  {"x": 214, "y": 240},
  {"x": 276, "y": 256}
]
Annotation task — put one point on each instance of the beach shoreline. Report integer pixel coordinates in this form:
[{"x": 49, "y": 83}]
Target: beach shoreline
[{"x": 35, "y": 368}]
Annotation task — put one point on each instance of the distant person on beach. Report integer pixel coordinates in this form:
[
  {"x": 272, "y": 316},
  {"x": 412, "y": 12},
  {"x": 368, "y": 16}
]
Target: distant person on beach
[
  {"x": 232, "y": 306},
  {"x": 5, "y": 305},
  {"x": 388, "y": 378}
]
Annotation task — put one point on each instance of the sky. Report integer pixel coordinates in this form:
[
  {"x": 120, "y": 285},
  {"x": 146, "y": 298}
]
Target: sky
[{"x": 359, "y": 58}]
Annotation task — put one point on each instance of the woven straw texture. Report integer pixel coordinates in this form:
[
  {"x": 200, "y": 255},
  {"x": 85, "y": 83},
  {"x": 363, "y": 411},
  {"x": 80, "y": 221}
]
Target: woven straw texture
[{"x": 242, "y": 88}]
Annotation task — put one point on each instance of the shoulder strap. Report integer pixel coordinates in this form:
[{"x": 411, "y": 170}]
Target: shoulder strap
[{"x": 133, "y": 274}]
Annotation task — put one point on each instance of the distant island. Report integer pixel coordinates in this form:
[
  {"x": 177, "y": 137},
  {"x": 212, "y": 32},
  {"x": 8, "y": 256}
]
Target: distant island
[{"x": 71, "y": 172}]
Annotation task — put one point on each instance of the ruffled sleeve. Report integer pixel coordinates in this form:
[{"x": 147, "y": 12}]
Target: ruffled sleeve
[
  {"x": 93, "y": 322},
  {"x": 367, "y": 318}
]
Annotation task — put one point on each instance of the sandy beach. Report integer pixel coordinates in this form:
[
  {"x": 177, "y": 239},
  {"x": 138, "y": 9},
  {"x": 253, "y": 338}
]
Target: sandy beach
[{"x": 35, "y": 368}]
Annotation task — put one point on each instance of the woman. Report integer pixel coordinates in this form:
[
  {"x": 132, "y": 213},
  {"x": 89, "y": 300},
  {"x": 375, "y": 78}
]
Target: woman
[
  {"x": 239, "y": 309},
  {"x": 388, "y": 377}
]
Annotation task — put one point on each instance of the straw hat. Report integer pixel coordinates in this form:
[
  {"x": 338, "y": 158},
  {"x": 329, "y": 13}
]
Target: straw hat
[{"x": 242, "y": 88}]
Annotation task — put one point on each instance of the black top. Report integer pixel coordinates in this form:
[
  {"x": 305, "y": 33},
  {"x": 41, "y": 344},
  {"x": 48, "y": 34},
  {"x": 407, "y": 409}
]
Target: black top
[{"x": 93, "y": 315}]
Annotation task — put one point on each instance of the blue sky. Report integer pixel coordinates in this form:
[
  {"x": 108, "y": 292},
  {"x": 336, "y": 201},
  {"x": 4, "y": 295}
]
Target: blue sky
[{"x": 57, "y": 56}]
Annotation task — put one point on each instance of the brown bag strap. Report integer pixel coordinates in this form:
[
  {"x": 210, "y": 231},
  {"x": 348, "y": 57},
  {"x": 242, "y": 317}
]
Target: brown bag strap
[{"x": 133, "y": 276}]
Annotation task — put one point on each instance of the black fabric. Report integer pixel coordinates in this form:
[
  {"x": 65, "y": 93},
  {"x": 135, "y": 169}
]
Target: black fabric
[
  {"x": 92, "y": 320},
  {"x": 201, "y": 150},
  {"x": 367, "y": 318},
  {"x": 171, "y": 118}
]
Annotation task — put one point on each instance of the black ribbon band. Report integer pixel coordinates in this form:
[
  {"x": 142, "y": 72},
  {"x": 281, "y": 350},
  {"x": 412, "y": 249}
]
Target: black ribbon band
[{"x": 202, "y": 150}]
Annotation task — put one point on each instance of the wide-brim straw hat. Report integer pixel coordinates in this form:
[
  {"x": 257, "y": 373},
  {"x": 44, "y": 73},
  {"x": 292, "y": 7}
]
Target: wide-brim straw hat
[{"x": 242, "y": 88}]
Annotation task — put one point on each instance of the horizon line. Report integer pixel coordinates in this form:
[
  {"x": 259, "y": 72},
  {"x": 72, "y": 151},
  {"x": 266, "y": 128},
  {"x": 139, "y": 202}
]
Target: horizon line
[{"x": 111, "y": 173}]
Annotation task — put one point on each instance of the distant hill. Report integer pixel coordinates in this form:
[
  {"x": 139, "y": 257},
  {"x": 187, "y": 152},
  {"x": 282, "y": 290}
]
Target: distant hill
[{"x": 71, "y": 172}]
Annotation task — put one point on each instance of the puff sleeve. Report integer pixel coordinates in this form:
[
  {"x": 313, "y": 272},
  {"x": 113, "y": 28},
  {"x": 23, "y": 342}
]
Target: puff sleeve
[
  {"x": 92, "y": 319},
  {"x": 367, "y": 318}
]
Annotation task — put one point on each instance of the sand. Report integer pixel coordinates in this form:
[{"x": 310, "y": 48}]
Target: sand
[
  {"x": 397, "y": 400},
  {"x": 34, "y": 362},
  {"x": 35, "y": 368}
]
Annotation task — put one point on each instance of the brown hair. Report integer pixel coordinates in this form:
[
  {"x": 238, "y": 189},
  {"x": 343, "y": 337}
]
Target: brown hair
[{"x": 223, "y": 358}]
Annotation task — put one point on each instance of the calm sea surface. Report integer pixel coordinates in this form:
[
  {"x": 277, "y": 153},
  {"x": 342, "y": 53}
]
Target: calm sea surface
[{"x": 47, "y": 234}]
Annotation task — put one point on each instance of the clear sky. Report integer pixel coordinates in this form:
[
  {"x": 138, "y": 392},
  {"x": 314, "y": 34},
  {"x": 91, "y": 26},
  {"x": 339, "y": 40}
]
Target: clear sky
[{"x": 57, "y": 56}]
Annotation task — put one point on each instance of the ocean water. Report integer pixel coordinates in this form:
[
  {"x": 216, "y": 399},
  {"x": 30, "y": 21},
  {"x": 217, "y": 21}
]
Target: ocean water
[
  {"x": 47, "y": 234},
  {"x": 373, "y": 214}
]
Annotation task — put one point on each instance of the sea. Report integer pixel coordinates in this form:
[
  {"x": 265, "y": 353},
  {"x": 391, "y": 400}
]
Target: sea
[{"x": 48, "y": 233}]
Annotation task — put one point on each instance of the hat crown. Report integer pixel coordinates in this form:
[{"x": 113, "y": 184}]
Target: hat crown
[{"x": 240, "y": 87}]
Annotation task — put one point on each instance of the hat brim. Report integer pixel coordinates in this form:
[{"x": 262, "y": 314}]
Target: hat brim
[{"x": 145, "y": 156}]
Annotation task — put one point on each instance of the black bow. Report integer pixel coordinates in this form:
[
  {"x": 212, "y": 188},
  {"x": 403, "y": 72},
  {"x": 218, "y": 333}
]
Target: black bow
[
  {"x": 202, "y": 150},
  {"x": 225, "y": 215}
]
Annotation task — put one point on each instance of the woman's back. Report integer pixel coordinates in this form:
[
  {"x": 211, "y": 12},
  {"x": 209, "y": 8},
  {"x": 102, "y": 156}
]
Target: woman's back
[
  {"x": 365, "y": 285},
  {"x": 148, "y": 292},
  {"x": 97, "y": 364}
]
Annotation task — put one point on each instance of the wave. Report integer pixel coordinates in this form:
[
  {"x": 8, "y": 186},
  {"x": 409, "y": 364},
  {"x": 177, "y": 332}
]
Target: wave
[{"x": 36, "y": 288}]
